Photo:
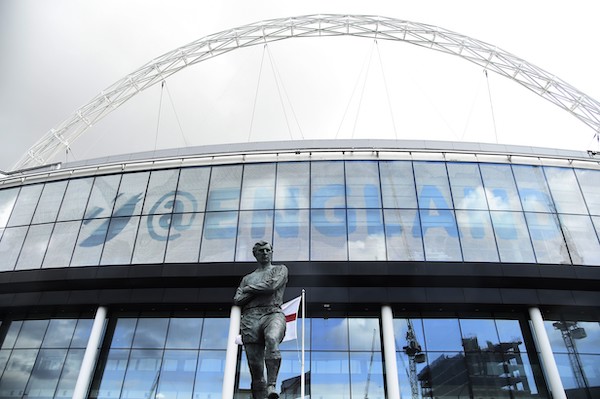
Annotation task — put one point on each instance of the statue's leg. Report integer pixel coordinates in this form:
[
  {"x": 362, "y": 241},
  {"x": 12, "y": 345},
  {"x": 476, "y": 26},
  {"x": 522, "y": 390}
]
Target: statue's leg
[
  {"x": 273, "y": 336},
  {"x": 256, "y": 363}
]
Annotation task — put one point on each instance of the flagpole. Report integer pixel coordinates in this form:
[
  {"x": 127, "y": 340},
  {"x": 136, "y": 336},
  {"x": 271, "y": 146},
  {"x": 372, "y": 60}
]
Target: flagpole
[{"x": 302, "y": 381}]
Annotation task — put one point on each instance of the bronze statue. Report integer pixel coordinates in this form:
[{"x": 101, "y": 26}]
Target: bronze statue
[{"x": 260, "y": 295}]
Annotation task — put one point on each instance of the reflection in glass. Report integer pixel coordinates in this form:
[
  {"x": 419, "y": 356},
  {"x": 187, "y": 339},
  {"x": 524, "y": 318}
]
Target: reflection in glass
[
  {"x": 218, "y": 240},
  {"x": 119, "y": 239},
  {"x": 293, "y": 185},
  {"x": 177, "y": 374},
  {"x": 533, "y": 189},
  {"x": 184, "y": 333},
  {"x": 192, "y": 190},
  {"x": 62, "y": 244},
  {"x": 34, "y": 247},
  {"x": 45, "y": 373},
  {"x": 60, "y": 332},
  {"x": 258, "y": 187},
  {"x": 142, "y": 375},
  {"x": 7, "y": 201},
  {"x": 209, "y": 375},
  {"x": 440, "y": 235},
  {"x": 365, "y": 235},
  {"x": 17, "y": 372},
  {"x": 75, "y": 200},
  {"x": 446, "y": 375},
  {"x": 362, "y": 185},
  {"x": 70, "y": 372},
  {"x": 433, "y": 189},
  {"x": 25, "y": 206},
  {"x": 131, "y": 194},
  {"x": 588, "y": 180},
  {"x": 581, "y": 239},
  {"x": 113, "y": 372},
  {"x": 364, "y": 334},
  {"x": 290, "y": 236},
  {"x": 10, "y": 247},
  {"x": 330, "y": 334},
  {"x": 330, "y": 375},
  {"x": 151, "y": 240},
  {"x": 123, "y": 334},
  {"x": 477, "y": 236},
  {"x": 467, "y": 187},
  {"x": 565, "y": 190},
  {"x": 184, "y": 237},
  {"x": 442, "y": 335},
  {"x": 224, "y": 191},
  {"x": 253, "y": 226},
  {"x": 160, "y": 194},
  {"x": 11, "y": 334},
  {"x": 397, "y": 184},
  {"x": 512, "y": 237},
  {"x": 90, "y": 242},
  {"x": 150, "y": 333},
  {"x": 500, "y": 187},
  {"x": 49, "y": 202},
  {"x": 103, "y": 197},
  {"x": 366, "y": 375},
  {"x": 214, "y": 333},
  {"x": 328, "y": 234},
  {"x": 403, "y": 235},
  {"x": 547, "y": 238}
]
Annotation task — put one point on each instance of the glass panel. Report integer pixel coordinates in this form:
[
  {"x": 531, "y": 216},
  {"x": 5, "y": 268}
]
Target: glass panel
[
  {"x": 184, "y": 333},
  {"x": 403, "y": 235},
  {"x": 46, "y": 372},
  {"x": 479, "y": 335},
  {"x": 25, "y": 206},
  {"x": 290, "y": 238},
  {"x": 445, "y": 376},
  {"x": 31, "y": 333},
  {"x": 60, "y": 332},
  {"x": 142, "y": 375},
  {"x": 34, "y": 247},
  {"x": 404, "y": 377},
  {"x": 224, "y": 192},
  {"x": 258, "y": 187},
  {"x": 433, "y": 189},
  {"x": 364, "y": 334},
  {"x": 7, "y": 201},
  {"x": 510, "y": 331},
  {"x": 500, "y": 187},
  {"x": 218, "y": 240},
  {"x": 327, "y": 185},
  {"x": 11, "y": 335},
  {"x": 581, "y": 239},
  {"x": 10, "y": 246},
  {"x": 567, "y": 374},
  {"x": 161, "y": 192},
  {"x": 328, "y": 234},
  {"x": 123, "y": 335},
  {"x": 293, "y": 185},
  {"x": 467, "y": 187},
  {"x": 442, "y": 335},
  {"x": 588, "y": 340},
  {"x": 591, "y": 370},
  {"x": 131, "y": 194},
  {"x": 588, "y": 180},
  {"x": 398, "y": 184},
  {"x": 70, "y": 372},
  {"x": 177, "y": 374},
  {"x": 82, "y": 333},
  {"x": 62, "y": 244},
  {"x": 548, "y": 241},
  {"x": 150, "y": 333},
  {"x": 90, "y": 242},
  {"x": 362, "y": 184},
  {"x": 366, "y": 240},
  {"x": 150, "y": 244},
  {"x": 103, "y": 197},
  {"x": 184, "y": 237},
  {"x": 17, "y": 373},
  {"x": 440, "y": 235},
  {"x": 119, "y": 241},
  {"x": 209, "y": 376},
  {"x": 330, "y": 334},
  {"x": 329, "y": 375},
  {"x": 512, "y": 237},
  {"x": 565, "y": 190},
  {"x": 253, "y": 226},
  {"x": 49, "y": 203},
  {"x": 75, "y": 201},
  {"x": 214, "y": 333},
  {"x": 533, "y": 189},
  {"x": 477, "y": 236},
  {"x": 113, "y": 374},
  {"x": 366, "y": 373},
  {"x": 192, "y": 190}
]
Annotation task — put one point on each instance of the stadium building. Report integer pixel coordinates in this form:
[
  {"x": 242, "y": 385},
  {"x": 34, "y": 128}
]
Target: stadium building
[{"x": 431, "y": 269}]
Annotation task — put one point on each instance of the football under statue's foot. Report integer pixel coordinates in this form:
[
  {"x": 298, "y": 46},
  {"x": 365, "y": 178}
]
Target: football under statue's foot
[{"x": 271, "y": 393}]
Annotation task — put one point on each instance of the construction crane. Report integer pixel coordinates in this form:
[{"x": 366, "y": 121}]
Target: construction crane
[
  {"x": 415, "y": 355},
  {"x": 570, "y": 331}
]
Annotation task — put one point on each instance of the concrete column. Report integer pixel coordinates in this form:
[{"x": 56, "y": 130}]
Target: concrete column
[
  {"x": 548, "y": 362},
  {"x": 389, "y": 353},
  {"x": 86, "y": 372},
  {"x": 232, "y": 353}
]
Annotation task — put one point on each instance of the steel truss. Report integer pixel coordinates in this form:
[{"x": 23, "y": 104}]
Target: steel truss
[{"x": 485, "y": 55}]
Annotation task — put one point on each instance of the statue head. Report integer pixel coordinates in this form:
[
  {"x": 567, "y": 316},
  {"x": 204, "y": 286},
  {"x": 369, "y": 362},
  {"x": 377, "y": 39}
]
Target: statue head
[{"x": 262, "y": 251}]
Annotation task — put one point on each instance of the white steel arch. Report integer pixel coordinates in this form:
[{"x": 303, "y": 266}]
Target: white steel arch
[{"x": 488, "y": 56}]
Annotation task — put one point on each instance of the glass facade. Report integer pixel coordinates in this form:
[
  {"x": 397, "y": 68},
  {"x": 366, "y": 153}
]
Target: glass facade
[{"x": 318, "y": 211}]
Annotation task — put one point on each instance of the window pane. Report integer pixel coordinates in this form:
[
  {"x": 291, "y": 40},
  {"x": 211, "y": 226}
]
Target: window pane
[
  {"x": 177, "y": 374},
  {"x": 328, "y": 234},
  {"x": 446, "y": 375},
  {"x": 11, "y": 335},
  {"x": 362, "y": 184},
  {"x": 327, "y": 185},
  {"x": 253, "y": 226},
  {"x": 588, "y": 180},
  {"x": 364, "y": 334},
  {"x": 398, "y": 184},
  {"x": 403, "y": 235},
  {"x": 70, "y": 372},
  {"x": 290, "y": 238},
  {"x": 31, "y": 334},
  {"x": 123, "y": 335},
  {"x": 49, "y": 203},
  {"x": 60, "y": 332},
  {"x": 510, "y": 331},
  {"x": 142, "y": 373},
  {"x": 330, "y": 334},
  {"x": 479, "y": 334},
  {"x": 440, "y": 235},
  {"x": 258, "y": 187},
  {"x": 62, "y": 244},
  {"x": 25, "y": 206},
  {"x": 477, "y": 236},
  {"x": 366, "y": 373},
  {"x": 330, "y": 375},
  {"x": 533, "y": 189},
  {"x": 591, "y": 370},
  {"x": 467, "y": 187},
  {"x": 34, "y": 247},
  {"x": 131, "y": 194},
  {"x": 17, "y": 372},
  {"x": 112, "y": 375},
  {"x": 82, "y": 333},
  {"x": 119, "y": 241},
  {"x": 150, "y": 333},
  {"x": 76, "y": 198},
  {"x": 565, "y": 190},
  {"x": 45, "y": 373},
  {"x": 218, "y": 240},
  {"x": 500, "y": 187},
  {"x": 184, "y": 237},
  {"x": 103, "y": 196},
  {"x": 365, "y": 234},
  {"x": 184, "y": 333},
  {"x": 214, "y": 333},
  {"x": 10, "y": 246},
  {"x": 293, "y": 185},
  {"x": 548, "y": 241},
  {"x": 150, "y": 242},
  {"x": 90, "y": 241},
  {"x": 512, "y": 237},
  {"x": 209, "y": 376},
  {"x": 192, "y": 190},
  {"x": 433, "y": 189},
  {"x": 442, "y": 335},
  {"x": 161, "y": 192},
  {"x": 224, "y": 192},
  {"x": 581, "y": 239},
  {"x": 7, "y": 201}
]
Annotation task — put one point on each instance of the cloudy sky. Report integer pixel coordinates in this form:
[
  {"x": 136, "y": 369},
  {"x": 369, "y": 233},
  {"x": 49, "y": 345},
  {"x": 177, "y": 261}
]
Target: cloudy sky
[{"x": 56, "y": 55}]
